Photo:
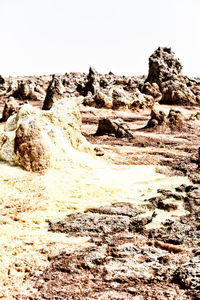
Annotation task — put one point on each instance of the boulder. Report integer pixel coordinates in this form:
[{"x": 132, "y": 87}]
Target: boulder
[
  {"x": 177, "y": 93},
  {"x": 141, "y": 101},
  {"x": 24, "y": 90},
  {"x": 10, "y": 108},
  {"x": 116, "y": 127},
  {"x": 173, "y": 121},
  {"x": 194, "y": 85},
  {"x": 12, "y": 87},
  {"x": 163, "y": 66},
  {"x": 55, "y": 92},
  {"x": 37, "y": 140},
  {"x": 176, "y": 120}
]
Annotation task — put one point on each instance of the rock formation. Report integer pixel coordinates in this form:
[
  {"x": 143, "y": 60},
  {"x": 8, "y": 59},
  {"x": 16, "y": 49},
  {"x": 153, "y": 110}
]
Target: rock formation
[
  {"x": 117, "y": 97},
  {"x": 55, "y": 92},
  {"x": 116, "y": 127},
  {"x": 93, "y": 82},
  {"x": 37, "y": 140},
  {"x": 31, "y": 152},
  {"x": 10, "y": 108},
  {"x": 163, "y": 66},
  {"x": 165, "y": 70},
  {"x": 174, "y": 121}
]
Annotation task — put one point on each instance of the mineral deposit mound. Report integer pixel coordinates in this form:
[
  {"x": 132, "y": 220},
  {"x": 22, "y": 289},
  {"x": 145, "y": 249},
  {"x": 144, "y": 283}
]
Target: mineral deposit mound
[{"x": 99, "y": 181}]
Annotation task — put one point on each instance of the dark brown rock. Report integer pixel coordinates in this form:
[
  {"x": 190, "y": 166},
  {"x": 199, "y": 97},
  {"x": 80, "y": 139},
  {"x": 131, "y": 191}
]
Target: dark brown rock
[
  {"x": 116, "y": 127},
  {"x": 10, "y": 108},
  {"x": 2, "y": 80},
  {"x": 55, "y": 92},
  {"x": 93, "y": 82},
  {"x": 29, "y": 148}
]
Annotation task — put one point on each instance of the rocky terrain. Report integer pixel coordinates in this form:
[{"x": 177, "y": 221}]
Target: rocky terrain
[{"x": 144, "y": 248}]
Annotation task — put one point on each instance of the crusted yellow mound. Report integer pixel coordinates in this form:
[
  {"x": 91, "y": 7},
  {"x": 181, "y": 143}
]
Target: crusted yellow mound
[{"x": 31, "y": 133}]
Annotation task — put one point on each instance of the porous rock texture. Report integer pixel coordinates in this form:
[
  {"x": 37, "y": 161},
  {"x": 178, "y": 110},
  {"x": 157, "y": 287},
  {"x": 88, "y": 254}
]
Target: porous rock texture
[
  {"x": 31, "y": 152},
  {"x": 163, "y": 66},
  {"x": 37, "y": 140},
  {"x": 165, "y": 70},
  {"x": 188, "y": 275},
  {"x": 176, "y": 92}
]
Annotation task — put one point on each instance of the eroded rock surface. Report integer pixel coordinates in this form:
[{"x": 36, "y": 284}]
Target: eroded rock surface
[
  {"x": 122, "y": 263},
  {"x": 163, "y": 66},
  {"x": 165, "y": 70}
]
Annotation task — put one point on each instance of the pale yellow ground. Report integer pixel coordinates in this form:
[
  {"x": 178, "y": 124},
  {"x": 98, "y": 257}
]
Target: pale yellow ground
[{"x": 27, "y": 200}]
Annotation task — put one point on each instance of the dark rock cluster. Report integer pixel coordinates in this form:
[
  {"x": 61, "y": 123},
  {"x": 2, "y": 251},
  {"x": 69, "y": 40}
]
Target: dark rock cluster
[{"x": 165, "y": 84}]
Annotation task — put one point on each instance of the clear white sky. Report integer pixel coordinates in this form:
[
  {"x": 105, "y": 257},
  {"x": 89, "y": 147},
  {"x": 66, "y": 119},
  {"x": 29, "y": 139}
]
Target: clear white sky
[{"x": 58, "y": 36}]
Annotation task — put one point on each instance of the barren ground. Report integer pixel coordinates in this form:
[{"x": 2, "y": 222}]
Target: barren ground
[{"x": 117, "y": 251}]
